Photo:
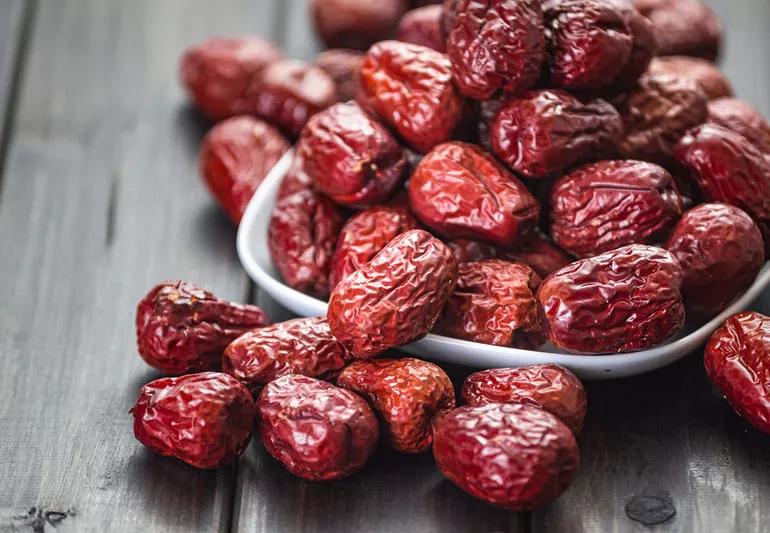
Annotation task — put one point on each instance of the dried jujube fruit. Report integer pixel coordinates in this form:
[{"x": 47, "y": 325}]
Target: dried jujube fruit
[
  {"x": 514, "y": 456},
  {"x": 619, "y": 301},
  {"x": 422, "y": 26},
  {"x": 683, "y": 27},
  {"x": 405, "y": 393},
  {"x": 705, "y": 73},
  {"x": 742, "y": 118},
  {"x": 550, "y": 387},
  {"x": 315, "y": 430},
  {"x": 295, "y": 180},
  {"x": 608, "y": 204},
  {"x": 181, "y": 328},
  {"x": 643, "y": 47},
  {"x": 540, "y": 254},
  {"x": 205, "y": 420},
  {"x": 343, "y": 67},
  {"x": 355, "y": 23},
  {"x": 396, "y": 297},
  {"x": 466, "y": 250}
]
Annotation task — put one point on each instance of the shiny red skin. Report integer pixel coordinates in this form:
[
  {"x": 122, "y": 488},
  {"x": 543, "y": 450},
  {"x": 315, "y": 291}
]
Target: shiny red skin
[
  {"x": 351, "y": 157},
  {"x": 540, "y": 254},
  {"x": 342, "y": 65},
  {"x": 303, "y": 346},
  {"x": 494, "y": 303},
  {"x": 550, "y": 387},
  {"x": 728, "y": 169},
  {"x": 721, "y": 252},
  {"x": 364, "y": 235},
  {"x": 181, "y": 328},
  {"x": 422, "y": 26},
  {"x": 589, "y": 43},
  {"x": 218, "y": 73},
  {"x": 620, "y": 301},
  {"x": 410, "y": 87},
  {"x": 705, "y": 73},
  {"x": 355, "y": 24},
  {"x": 461, "y": 192},
  {"x": 301, "y": 238},
  {"x": 315, "y": 430},
  {"x": 405, "y": 393},
  {"x": 235, "y": 157},
  {"x": 548, "y": 131},
  {"x": 643, "y": 48},
  {"x": 205, "y": 420},
  {"x": 608, "y": 204},
  {"x": 742, "y": 118},
  {"x": 514, "y": 456},
  {"x": 683, "y": 27},
  {"x": 295, "y": 180},
  {"x": 496, "y": 45},
  {"x": 395, "y": 298}
]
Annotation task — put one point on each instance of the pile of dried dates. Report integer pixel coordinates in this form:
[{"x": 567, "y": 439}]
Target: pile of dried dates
[{"x": 509, "y": 172}]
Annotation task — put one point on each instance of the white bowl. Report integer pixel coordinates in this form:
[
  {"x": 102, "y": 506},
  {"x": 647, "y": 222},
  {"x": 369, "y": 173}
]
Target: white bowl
[{"x": 254, "y": 255}]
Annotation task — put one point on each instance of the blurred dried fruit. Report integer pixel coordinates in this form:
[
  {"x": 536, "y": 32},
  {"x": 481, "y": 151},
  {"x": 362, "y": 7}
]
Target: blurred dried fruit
[
  {"x": 742, "y": 118},
  {"x": 295, "y": 180},
  {"x": 422, "y": 26},
  {"x": 488, "y": 110},
  {"x": 448, "y": 16},
  {"x": 343, "y": 66},
  {"x": 683, "y": 27},
  {"x": 705, "y": 73},
  {"x": 355, "y": 23},
  {"x": 466, "y": 250},
  {"x": 539, "y": 254}
]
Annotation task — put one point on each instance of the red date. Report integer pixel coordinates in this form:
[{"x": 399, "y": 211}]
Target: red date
[
  {"x": 295, "y": 180},
  {"x": 539, "y": 254},
  {"x": 343, "y": 66},
  {"x": 683, "y": 27},
  {"x": 643, "y": 48},
  {"x": 422, "y": 26},
  {"x": 355, "y": 23},
  {"x": 466, "y": 250},
  {"x": 742, "y": 118},
  {"x": 705, "y": 73}
]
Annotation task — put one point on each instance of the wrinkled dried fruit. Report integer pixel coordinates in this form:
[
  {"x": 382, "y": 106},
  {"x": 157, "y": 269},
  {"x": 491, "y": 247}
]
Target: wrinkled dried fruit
[
  {"x": 205, "y": 419},
  {"x": 643, "y": 47},
  {"x": 405, "y": 393},
  {"x": 705, "y": 73},
  {"x": 235, "y": 157},
  {"x": 422, "y": 26},
  {"x": 550, "y": 387},
  {"x": 343, "y": 67},
  {"x": 181, "y": 328},
  {"x": 683, "y": 27},
  {"x": 510, "y": 455},
  {"x": 721, "y": 252},
  {"x": 742, "y": 118},
  {"x": 315, "y": 430},
  {"x": 351, "y": 157},
  {"x": 448, "y": 16},
  {"x": 539, "y": 254},
  {"x": 410, "y": 87},
  {"x": 460, "y": 191},
  {"x": 496, "y": 44},
  {"x": 218, "y": 73},
  {"x": 355, "y": 23},
  {"x": 364, "y": 235},
  {"x": 396, "y": 297},
  {"x": 301, "y": 237},
  {"x": 466, "y": 250},
  {"x": 295, "y": 180},
  {"x": 487, "y": 110},
  {"x": 620, "y": 301},
  {"x": 606, "y": 205},
  {"x": 548, "y": 131}
]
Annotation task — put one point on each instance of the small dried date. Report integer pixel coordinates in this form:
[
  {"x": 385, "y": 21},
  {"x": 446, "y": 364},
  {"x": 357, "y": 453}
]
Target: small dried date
[
  {"x": 181, "y": 328},
  {"x": 742, "y": 118},
  {"x": 343, "y": 67},
  {"x": 705, "y": 73},
  {"x": 315, "y": 430},
  {"x": 643, "y": 48},
  {"x": 422, "y": 26},
  {"x": 683, "y": 27},
  {"x": 405, "y": 393},
  {"x": 205, "y": 420},
  {"x": 355, "y": 23}
]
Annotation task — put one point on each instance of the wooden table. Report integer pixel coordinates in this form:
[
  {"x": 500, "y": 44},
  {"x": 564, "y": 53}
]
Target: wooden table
[{"x": 101, "y": 199}]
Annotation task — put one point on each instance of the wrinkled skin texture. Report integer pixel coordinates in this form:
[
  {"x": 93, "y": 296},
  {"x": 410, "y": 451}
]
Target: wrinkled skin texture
[
  {"x": 550, "y": 387},
  {"x": 405, "y": 393},
  {"x": 364, "y": 235},
  {"x": 540, "y": 254},
  {"x": 494, "y": 303},
  {"x": 218, "y": 73},
  {"x": 303, "y": 346},
  {"x": 606, "y": 205},
  {"x": 683, "y": 27},
  {"x": 705, "y": 73},
  {"x": 350, "y": 156},
  {"x": 643, "y": 47},
  {"x": 205, "y": 419},
  {"x": 422, "y": 26},
  {"x": 466, "y": 250},
  {"x": 742, "y": 118},
  {"x": 657, "y": 113},
  {"x": 543, "y": 132},
  {"x": 295, "y": 180},
  {"x": 589, "y": 43},
  {"x": 342, "y": 66},
  {"x": 355, "y": 24},
  {"x": 301, "y": 237},
  {"x": 728, "y": 169},
  {"x": 620, "y": 301},
  {"x": 181, "y": 328},
  {"x": 235, "y": 157},
  {"x": 394, "y": 299},
  {"x": 496, "y": 44},
  {"x": 514, "y": 456},
  {"x": 410, "y": 88},
  {"x": 721, "y": 252},
  {"x": 315, "y": 430},
  {"x": 460, "y": 191}
]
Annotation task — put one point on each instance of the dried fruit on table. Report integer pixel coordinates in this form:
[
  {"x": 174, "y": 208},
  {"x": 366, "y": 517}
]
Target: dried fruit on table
[
  {"x": 705, "y": 73},
  {"x": 514, "y": 456},
  {"x": 643, "y": 47},
  {"x": 396, "y": 297},
  {"x": 608, "y": 204},
  {"x": 301, "y": 237},
  {"x": 542, "y": 132},
  {"x": 460, "y": 191},
  {"x": 742, "y": 118},
  {"x": 683, "y": 27},
  {"x": 205, "y": 420},
  {"x": 405, "y": 393},
  {"x": 343, "y": 67},
  {"x": 350, "y": 156},
  {"x": 737, "y": 361},
  {"x": 181, "y": 328},
  {"x": 410, "y": 87},
  {"x": 315, "y": 430},
  {"x": 620, "y": 301},
  {"x": 721, "y": 252},
  {"x": 540, "y": 254},
  {"x": 550, "y": 387},
  {"x": 355, "y": 23},
  {"x": 422, "y": 26}
]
